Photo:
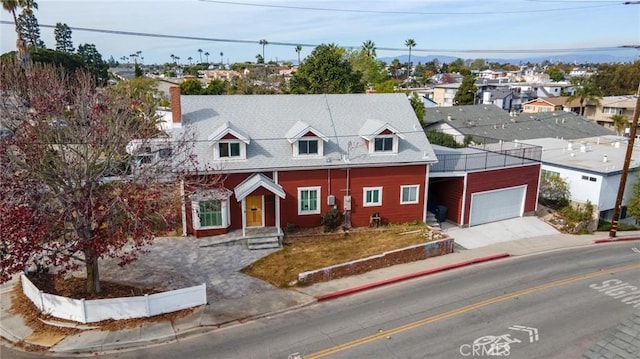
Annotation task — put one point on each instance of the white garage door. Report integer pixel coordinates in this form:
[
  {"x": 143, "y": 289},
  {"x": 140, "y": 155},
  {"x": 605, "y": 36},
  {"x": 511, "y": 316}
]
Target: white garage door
[{"x": 496, "y": 205}]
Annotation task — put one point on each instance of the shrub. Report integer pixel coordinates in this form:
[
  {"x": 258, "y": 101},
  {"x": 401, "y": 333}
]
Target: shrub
[
  {"x": 579, "y": 213},
  {"x": 331, "y": 220},
  {"x": 290, "y": 228}
]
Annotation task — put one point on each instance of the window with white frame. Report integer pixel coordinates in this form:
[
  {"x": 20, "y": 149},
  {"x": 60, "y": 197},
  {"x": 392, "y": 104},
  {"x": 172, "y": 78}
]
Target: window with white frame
[
  {"x": 612, "y": 110},
  {"x": 309, "y": 200},
  {"x": 210, "y": 214},
  {"x": 308, "y": 146},
  {"x": 228, "y": 149},
  {"x": 372, "y": 196},
  {"x": 409, "y": 194},
  {"x": 383, "y": 144}
]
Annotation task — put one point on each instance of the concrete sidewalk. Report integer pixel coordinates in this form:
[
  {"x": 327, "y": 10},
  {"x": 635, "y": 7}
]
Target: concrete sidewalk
[{"x": 270, "y": 301}]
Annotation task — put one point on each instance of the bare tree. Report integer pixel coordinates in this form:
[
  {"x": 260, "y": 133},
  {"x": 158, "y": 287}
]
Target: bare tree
[{"x": 86, "y": 171}]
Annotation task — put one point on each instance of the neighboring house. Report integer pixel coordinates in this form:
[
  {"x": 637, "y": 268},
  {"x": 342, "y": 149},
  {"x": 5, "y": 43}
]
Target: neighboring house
[
  {"x": 544, "y": 104},
  {"x": 609, "y": 106},
  {"x": 489, "y": 121},
  {"x": 443, "y": 94},
  {"x": 478, "y": 186},
  {"x": 592, "y": 167},
  {"x": 225, "y": 75},
  {"x": 543, "y": 89},
  {"x": 287, "y": 159},
  {"x": 502, "y": 98}
]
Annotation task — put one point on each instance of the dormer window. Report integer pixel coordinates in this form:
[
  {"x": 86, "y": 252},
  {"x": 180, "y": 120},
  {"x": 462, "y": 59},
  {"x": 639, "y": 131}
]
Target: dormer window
[
  {"x": 306, "y": 140},
  {"x": 308, "y": 146},
  {"x": 380, "y": 137},
  {"x": 383, "y": 144},
  {"x": 229, "y": 143},
  {"x": 229, "y": 149}
]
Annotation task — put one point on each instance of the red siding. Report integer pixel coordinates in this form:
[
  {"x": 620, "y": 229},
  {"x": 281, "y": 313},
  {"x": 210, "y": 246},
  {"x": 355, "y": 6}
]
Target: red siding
[
  {"x": 504, "y": 178},
  {"x": 334, "y": 182},
  {"x": 448, "y": 192}
]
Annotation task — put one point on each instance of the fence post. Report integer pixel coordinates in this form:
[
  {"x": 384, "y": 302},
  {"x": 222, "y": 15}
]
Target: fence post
[
  {"x": 146, "y": 305},
  {"x": 83, "y": 311},
  {"x": 204, "y": 293}
]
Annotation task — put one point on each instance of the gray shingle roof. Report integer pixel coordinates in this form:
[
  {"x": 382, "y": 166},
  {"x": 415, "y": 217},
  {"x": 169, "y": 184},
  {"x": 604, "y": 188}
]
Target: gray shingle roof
[
  {"x": 266, "y": 120},
  {"x": 493, "y": 122}
]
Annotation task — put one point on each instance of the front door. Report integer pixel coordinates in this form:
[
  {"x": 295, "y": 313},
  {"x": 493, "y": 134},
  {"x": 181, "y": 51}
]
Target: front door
[{"x": 254, "y": 211}]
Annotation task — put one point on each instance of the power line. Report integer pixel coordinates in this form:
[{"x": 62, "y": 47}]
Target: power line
[
  {"x": 276, "y": 43},
  {"x": 391, "y": 12}
]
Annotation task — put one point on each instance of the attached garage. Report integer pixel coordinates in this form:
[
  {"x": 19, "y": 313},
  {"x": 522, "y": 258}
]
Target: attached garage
[{"x": 496, "y": 205}]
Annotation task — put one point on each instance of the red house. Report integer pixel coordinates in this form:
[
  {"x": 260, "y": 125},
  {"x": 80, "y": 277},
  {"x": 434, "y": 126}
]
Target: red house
[{"x": 287, "y": 159}]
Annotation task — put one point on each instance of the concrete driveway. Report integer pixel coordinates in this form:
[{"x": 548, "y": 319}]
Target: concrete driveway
[{"x": 501, "y": 231}]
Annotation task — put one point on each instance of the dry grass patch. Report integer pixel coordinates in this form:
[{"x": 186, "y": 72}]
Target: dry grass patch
[{"x": 281, "y": 268}]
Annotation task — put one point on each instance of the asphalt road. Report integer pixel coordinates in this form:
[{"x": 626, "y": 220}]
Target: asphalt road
[{"x": 550, "y": 305}]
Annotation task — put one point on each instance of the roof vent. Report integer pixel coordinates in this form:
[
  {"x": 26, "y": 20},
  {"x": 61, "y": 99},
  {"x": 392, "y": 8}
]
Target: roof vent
[
  {"x": 449, "y": 117},
  {"x": 570, "y": 146},
  {"x": 605, "y": 159},
  {"x": 583, "y": 147},
  {"x": 616, "y": 144}
]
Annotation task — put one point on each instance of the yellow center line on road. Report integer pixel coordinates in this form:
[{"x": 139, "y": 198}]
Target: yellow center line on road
[{"x": 461, "y": 310}]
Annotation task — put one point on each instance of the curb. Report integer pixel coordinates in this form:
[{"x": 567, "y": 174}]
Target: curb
[
  {"x": 361, "y": 288},
  {"x": 615, "y": 239}
]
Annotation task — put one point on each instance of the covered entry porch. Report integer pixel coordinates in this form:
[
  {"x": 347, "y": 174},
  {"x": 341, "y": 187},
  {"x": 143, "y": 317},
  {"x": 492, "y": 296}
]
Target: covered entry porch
[{"x": 259, "y": 197}]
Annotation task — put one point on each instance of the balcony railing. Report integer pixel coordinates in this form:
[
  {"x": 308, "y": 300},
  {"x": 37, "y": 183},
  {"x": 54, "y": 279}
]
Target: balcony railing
[{"x": 497, "y": 154}]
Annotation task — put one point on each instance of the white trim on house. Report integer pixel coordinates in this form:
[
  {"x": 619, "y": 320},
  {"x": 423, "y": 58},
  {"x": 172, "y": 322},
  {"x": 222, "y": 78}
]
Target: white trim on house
[
  {"x": 302, "y": 211},
  {"x": 372, "y": 203},
  {"x": 408, "y": 187}
]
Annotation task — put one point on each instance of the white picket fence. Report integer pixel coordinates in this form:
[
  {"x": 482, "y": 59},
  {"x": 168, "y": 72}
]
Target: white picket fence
[{"x": 88, "y": 311}]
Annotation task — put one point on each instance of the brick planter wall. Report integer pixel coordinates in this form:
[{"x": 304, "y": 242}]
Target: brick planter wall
[{"x": 387, "y": 259}]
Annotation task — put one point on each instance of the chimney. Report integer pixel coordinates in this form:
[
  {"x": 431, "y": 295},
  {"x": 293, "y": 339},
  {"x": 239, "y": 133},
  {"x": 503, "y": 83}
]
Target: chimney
[{"x": 176, "y": 106}]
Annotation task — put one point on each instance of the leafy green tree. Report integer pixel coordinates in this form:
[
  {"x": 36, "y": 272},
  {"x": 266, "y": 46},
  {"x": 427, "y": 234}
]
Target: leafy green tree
[
  {"x": 30, "y": 29},
  {"x": 215, "y": 87},
  {"x": 191, "y": 87},
  {"x": 456, "y": 65},
  {"x": 92, "y": 59},
  {"x": 633, "y": 206},
  {"x": 259, "y": 59},
  {"x": 442, "y": 139},
  {"x": 585, "y": 91},
  {"x": 410, "y": 43},
  {"x": 388, "y": 86},
  {"x": 326, "y": 70},
  {"x": 620, "y": 122},
  {"x": 137, "y": 70},
  {"x": 369, "y": 47},
  {"x": 466, "y": 94},
  {"x": 554, "y": 190},
  {"x": 372, "y": 70},
  {"x": 395, "y": 67},
  {"x": 70, "y": 62},
  {"x": 555, "y": 73},
  {"x": 477, "y": 64},
  {"x": 62, "y": 33},
  {"x": 617, "y": 79},
  {"x": 418, "y": 107}
]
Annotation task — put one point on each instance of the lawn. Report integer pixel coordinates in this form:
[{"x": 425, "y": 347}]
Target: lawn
[{"x": 318, "y": 250}]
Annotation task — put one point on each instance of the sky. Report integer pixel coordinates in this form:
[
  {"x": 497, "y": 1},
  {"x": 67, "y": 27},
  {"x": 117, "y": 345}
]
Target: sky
[{"x": 461, "y": 28}]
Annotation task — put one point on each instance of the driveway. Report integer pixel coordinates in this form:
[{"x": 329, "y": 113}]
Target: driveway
[{"x": 501, "y": 231}]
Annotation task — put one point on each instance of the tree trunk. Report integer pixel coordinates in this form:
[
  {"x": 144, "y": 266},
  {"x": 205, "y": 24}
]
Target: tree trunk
[{"x": 93, "y": 272}]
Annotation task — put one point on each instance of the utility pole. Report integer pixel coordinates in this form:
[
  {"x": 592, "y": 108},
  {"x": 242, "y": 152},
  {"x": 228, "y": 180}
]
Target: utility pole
[{"x": 625, "y": 168}]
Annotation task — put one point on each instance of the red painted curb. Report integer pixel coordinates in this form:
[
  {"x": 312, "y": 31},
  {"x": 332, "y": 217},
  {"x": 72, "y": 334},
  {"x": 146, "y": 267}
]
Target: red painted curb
[
  {"x": 623, "y": 239},
  {"x": 401, "y": 278}
]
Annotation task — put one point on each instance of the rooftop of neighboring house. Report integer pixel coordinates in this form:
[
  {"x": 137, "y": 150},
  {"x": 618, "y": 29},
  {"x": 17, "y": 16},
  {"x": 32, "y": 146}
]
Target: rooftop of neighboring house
[
  {"x": 500, "y": 93},
  {"x": 493, "y": 122},
  {"x": 557, "y": 101},
  {"x": 627, "y": 101},
  {"x": 270, "y": 125},
  {"x": 603, "y": 155}
]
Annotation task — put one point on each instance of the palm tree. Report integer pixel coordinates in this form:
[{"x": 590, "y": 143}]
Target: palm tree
[
  {"x": 207, "y": 55},
  {"x": 585, "y": 91},
  {"x": 189, "y": 58},
  {"x": 298, "y": 49},
  {"x": 410, "y": 43},
  {"x": 370, "y": 47},
  {"x": 620, "y": 122},
  {"x": 173, "y": 58},
  {"x": 264, "y": 43},
  {"x": 221, "y": 57},
  {"x": 11, "y": 6},
  {"x": 200, "y": 51}
]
